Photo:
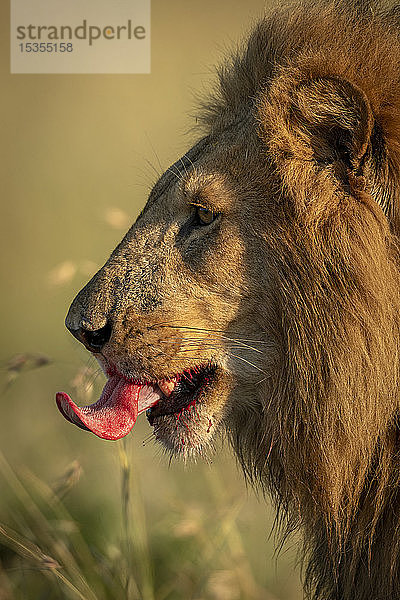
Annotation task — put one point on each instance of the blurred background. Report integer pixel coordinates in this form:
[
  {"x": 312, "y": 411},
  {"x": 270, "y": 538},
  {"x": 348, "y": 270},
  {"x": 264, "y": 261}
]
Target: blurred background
[{"x": 81, "y": 517}]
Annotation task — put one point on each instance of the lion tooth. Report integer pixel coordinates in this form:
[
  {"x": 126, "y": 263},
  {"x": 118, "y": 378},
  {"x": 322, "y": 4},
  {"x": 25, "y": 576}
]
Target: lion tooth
[{"x": 167, "y": 387}]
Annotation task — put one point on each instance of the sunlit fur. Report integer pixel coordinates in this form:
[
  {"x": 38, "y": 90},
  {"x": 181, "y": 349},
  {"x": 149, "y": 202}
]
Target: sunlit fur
[
  {"x": 293, "y": 292},
  {"x": 326, "y": 84}
]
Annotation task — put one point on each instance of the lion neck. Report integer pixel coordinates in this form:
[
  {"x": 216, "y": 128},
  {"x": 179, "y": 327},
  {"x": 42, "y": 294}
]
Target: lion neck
[{"x": 328, "y": 448}]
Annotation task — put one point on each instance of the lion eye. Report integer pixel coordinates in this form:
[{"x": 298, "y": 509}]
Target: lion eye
[{"x": 204, "y": 216}]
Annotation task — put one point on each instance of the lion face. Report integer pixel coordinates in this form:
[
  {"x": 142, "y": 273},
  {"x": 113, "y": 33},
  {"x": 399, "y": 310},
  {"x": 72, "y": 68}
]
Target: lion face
[
  {"x": 173, "y": 309},
  {"x": 259, "y": 290}
]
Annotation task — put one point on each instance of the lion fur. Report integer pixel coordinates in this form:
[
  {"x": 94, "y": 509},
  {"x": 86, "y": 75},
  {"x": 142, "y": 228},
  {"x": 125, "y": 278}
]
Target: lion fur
[
  {"x": 292, "y": 293},
  {"x": 328, "y": 447}
]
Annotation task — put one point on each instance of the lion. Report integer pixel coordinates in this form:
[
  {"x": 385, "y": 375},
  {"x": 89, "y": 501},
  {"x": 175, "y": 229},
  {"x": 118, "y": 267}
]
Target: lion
[{"x": 257, "y": 295}]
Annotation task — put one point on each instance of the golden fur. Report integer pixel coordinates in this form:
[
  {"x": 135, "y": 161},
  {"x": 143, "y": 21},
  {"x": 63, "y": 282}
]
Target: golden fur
[
  {"x": 293, "y": 293},
  {"x": 333, "y": 414}
]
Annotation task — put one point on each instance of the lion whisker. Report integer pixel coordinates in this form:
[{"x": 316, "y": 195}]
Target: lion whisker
[
  {"x": 239, "y": 343},
  {"x": 184, "y": 166},
  {"x": 203, "y": 347},
  {"x": 155, "y": 154},
  {"x": 186, "y": 155},
  {"x": 158, "y": 174},
  {"x": 234, "y": 340},
  {"x": 178, "y": 174},
  {"x": 214, "y": 331},
  {"x": 263, "y": 379},
  {"x": 148, "y": 439},
  {"x": 247, "y": 362},
  {"x": 211, "y": 344}
]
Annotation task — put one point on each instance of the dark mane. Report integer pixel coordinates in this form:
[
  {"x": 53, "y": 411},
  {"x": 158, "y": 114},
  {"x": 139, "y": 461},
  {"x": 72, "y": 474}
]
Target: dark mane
[
  {"x": 323, "y": 85},
  {"x": 360, "y": 44}
]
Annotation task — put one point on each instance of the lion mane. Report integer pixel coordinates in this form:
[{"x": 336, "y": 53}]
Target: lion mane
[
  {"x": 282, "y": 224},
  {"x": 326, "y": 82}
]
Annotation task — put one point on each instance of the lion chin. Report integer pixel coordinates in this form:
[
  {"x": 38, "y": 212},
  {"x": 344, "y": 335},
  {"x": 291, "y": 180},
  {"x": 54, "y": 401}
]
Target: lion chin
[
  {"x": 186, "y": 421},
  {"x": 258, "y": 292}
]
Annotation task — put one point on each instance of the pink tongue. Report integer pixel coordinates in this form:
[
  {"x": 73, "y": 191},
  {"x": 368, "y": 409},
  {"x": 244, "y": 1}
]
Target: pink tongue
[{"x": 115, "y": 413}]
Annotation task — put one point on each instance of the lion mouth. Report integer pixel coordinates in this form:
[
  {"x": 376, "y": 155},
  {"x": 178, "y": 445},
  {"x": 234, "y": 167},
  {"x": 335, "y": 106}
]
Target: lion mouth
[
  {"x": 186, "y": 391},
  {"x": 122, "y": 400}
]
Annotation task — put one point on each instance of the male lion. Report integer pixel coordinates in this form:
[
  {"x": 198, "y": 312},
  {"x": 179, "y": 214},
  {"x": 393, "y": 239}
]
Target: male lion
[{"x": 258, "y": 293}]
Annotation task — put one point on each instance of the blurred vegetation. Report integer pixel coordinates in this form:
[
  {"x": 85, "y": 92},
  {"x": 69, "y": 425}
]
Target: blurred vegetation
[
  {"x": 81, "y": 517},
  {"x": 176, "y": 544}
]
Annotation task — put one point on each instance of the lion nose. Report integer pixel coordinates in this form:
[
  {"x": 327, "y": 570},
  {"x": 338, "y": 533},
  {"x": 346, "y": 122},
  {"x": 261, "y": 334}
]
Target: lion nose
[{"x": 93, "y": 340}]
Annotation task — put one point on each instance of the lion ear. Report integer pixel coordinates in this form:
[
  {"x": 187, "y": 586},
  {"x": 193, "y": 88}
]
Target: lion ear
[
  {"x": 336, "y": 118},
  {"x": 327, "y": 121}
]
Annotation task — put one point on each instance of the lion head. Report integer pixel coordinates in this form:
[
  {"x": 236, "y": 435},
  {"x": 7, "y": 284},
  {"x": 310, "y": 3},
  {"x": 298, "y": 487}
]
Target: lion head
[{"x": 258, "y": 292}]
